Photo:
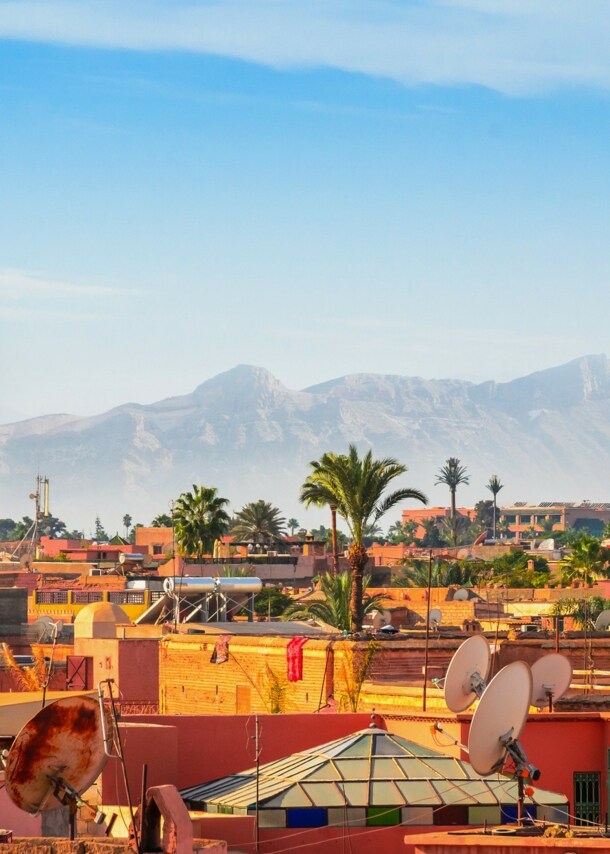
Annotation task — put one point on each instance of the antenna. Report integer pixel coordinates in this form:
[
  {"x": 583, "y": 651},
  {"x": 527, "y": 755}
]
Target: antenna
[
  {"x": 461, "y": 595},
  {"x": 497, "y": 724},
  {"x": 603, "y": 621},
  {"x": 466, "y": 674},
  {"x": 435, "y": 618},
  {"x": 551, "y": 677},
  {"x": 56, "y": 756}
]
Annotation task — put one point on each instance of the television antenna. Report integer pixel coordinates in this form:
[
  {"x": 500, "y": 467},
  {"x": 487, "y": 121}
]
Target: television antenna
[
  {"x": 551, "y": 677},
  {"x": 466, "y": 675},
  {"x": 498, "y": 722},
  {"x": 56, "y": 756},
  {"x": 603, "y": 621}
]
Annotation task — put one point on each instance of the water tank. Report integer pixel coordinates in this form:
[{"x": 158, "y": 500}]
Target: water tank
[
  {"x": 231, "y": 586},
  {"x": 189, "y": 585}
]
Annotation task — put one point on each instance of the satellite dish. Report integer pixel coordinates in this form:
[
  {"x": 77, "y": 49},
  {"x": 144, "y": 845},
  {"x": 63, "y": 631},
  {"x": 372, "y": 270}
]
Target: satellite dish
[
  {"x": 466, "y": 674},
  {"x": 59, "y": 625},
  {"x": 603, "y": 621},
  {"x": 59, "y": 752},
  {"x": 436, "y": 615},
  {"x": 461, "y": 595},
  {"x": 499, "y": 720},
  {"x": 551, "y": 677}
]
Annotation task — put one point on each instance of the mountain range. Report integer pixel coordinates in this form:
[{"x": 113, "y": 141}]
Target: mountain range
[{"x": 547, "y": 436}]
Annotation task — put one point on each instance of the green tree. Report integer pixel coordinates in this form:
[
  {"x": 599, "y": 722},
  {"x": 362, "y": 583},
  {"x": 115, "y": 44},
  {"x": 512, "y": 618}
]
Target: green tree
[
  {"x": 260, "y": 522},
  {"x": 432, "y": 536},
  {"x": 356, "y": 488},
  {"x": 161, "y": 521},
  {"x": 584, "y": 612},
  {"x": 335, "y": 609},
  {"x": 7, "y": 526},
  {"x": 518, "y": 569},
  {"x": 271, "y": 602},
  {"x": 402, "y": 532},
  {"x": 458, "y": 573},
  {"x": 292, "y": 524},
  {"x": 199, "y": 519},
  {"x": 53, "y": 527},
  {"x": 494, "y": 485},
  {"x": 587, "y": 561},
  {"x": 99, "y": 533},
  {"x": 22, "y": 527},
  {"x": 455, "y": 530},
  {"x": 127, "y": 520},
  {"x": 452, "y": 474}
]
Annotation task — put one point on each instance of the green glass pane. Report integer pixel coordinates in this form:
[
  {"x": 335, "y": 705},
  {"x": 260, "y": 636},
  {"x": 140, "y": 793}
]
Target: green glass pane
[
  {"x": 415, "y": 769},
  {"x": 357, "y": 794},
  {"x": 418, "y": 792},
  {"x": 386, "y": 746},
  {"x": 324, "y": 794},
  {"x": 414, "y": 749},
  {"x": 361, "y": 747},
  {"x": 384, "y": 792},
  {"x": 382, "y": 817},
  {"x": 324, "y": 772},
  {"x": 353, "y": 769},
  {"x": 384, "y": 769}
]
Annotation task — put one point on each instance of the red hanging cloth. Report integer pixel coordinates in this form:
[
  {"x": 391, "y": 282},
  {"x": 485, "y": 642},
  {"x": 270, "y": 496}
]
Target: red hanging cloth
[{"x": 294, "y": 659}]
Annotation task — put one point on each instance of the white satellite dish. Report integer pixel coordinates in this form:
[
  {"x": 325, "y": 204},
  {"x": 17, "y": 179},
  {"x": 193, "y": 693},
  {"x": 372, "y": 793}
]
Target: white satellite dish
[
  {"x": 551, "y": 677},
  {"x": 603, "y": 621},
  {"x": 41, "y": 629},
  {"x": 499, "y": 720},
  {"x": 461, "y": 595},
  {"x": 466, "y": 674},
  {"x": 436, "y": 615}
]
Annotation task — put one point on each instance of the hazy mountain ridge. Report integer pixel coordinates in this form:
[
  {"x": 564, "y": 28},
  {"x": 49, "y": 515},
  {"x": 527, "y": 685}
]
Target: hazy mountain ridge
[{"x": 547, "y": 435}]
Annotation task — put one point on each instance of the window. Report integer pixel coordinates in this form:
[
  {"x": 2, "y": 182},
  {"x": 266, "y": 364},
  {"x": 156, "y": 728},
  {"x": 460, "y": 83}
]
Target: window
[
  {"x": 510, "y": 518},
  {"x": 525, "y": 518},
  {"x": 586, "y": 797}
]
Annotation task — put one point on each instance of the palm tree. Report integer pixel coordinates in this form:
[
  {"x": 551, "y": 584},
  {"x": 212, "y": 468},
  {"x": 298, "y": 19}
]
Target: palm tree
[
  {"x": 494, "y": 486},
  {"x": 162, "y": 521},
  {"x": 454, "y": 530},
  {"x": 402, "y": 532},
  {"x": 452, "y": 474},
  {"x": 462, "y": 573},
  {"x": 587, "y": 561},
  {"x": 260, "y": 522},
  {"x": 292, "y": 524},
  {"x": 335, "y": 609},
  {"x": 127, "y": 520},
  {"x": 199, "y": 519},
  {"x": 355, "y": 488}
]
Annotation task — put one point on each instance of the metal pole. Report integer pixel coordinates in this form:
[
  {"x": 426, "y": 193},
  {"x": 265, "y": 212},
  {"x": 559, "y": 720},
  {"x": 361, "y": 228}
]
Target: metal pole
[
  {"x": 424, "y": 695},
  {"x": 258, "y": 758}
]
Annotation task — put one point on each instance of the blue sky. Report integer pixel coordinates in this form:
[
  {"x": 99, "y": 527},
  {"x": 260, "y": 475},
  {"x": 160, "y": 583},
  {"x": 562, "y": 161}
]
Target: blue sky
[{"x": 319, "y": 188}]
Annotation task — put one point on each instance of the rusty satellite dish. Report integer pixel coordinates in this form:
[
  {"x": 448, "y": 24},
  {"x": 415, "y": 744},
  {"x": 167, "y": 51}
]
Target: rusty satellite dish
[{"x": 59, "y": 751}]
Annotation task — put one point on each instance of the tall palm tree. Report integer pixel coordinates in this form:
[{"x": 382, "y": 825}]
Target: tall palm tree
[
  {"x": 452, "y": 474},
  {"x": 292, "y": 525},
  {"x": 260, "y": 522},
  {"x": 356, "y": 487},
  {"x": 199, "y": 519},
  {"x": 494, "y": 485},
  {"x": 335, "y": 608},
  {"x": 454, "y": 530}
]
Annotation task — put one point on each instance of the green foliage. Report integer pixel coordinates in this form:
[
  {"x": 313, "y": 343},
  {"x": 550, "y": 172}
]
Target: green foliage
[
  {"x": 260, "y": 522},
  {"x": 127, "y": 520},
  {"x": 402, "y": 532},
  {"x": 292, "y": 524},
  {"x": 455, "y": 530},
  {"x": 587, "y": 561},
  {"x": 452, "y": 474},
  {"x": 335, "y": 608},
  {"x": 518, "y": 569},
  {"x": 459, "y": 573},
  {"x": 161, "y": 521},
  {"x": 356, "y": 488},
  {"x": 7, "y": 527},
  {"x": 99, "y": 534},
  {"x": 199, "y": 519},
  {"x": 584, "y": 612},
  {"x": 432, "y": 536},
  {"x": 271, "y": 602}
]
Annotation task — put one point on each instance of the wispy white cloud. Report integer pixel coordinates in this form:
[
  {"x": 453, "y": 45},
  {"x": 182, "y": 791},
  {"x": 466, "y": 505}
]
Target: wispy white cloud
[
  {"x": 508, "y": 45},
  {"x": 18, "y": 284}
]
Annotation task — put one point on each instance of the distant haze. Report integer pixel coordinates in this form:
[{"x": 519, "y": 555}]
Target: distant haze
[{"x": 546, "y": 435}]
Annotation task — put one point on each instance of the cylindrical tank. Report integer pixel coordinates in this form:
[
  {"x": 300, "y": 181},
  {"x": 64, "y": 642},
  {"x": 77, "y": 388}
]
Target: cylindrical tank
[
  {"x": 230, "y": 586},
  {"x": 188, "y": 585}
]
